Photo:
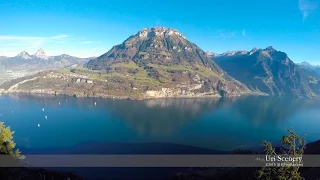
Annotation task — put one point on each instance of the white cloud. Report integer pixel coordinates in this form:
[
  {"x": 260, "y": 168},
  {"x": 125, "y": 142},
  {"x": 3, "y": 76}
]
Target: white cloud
[
  {"x": 31, "y": 38},
  {"x": 306, "y": 7},
  {"x": 10, "y": 45},
  {"x": 53, "y": 45},
  {"x": 225, "y": 34},
  {"x": 244, "y": 33}
]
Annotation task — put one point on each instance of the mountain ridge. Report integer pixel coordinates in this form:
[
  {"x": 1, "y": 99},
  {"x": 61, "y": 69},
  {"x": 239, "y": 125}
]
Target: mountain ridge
[
  {"x": 315, "y": 68},
  {"x": 155, "y": 62},
  {"x": 24, "y": 64},
  {"x": 271, "y": 71},
  {"x": 160, "y": 62}
]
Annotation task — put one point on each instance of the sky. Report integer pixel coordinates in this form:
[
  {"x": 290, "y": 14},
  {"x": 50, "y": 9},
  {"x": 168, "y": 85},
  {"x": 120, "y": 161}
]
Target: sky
[{"x": 87, "y": 28}]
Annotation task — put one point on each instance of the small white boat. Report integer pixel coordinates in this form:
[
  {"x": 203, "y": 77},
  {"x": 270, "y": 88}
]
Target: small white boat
[
  {"x": 59, "y": 103},
  {"x": 43, "y": 109},
  {"x": 95, "y": 103},
  {"x": 38, "y": 125},
  {"x": 46, "y": 117}
]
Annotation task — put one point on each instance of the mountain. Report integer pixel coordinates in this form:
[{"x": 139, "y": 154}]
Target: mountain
[
  {"x": 165, "y": 55},
  {"x": 24, "y": 55},
  {"x": 40, "y": 54},
  {"x": 25, "y": 64},
  {"x": 228, "y": 53},
  {"x": 272, "y": 72},
  {"x": 154, "y": 63},
  {"x": 211, "y": 54},
  {"x": 310, "y": 66},
  {"x": 159, "y": 45}
]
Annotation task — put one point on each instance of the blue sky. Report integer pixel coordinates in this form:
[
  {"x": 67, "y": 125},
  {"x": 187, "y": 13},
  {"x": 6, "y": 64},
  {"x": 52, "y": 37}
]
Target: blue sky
[{"x": 91, "y": 27}]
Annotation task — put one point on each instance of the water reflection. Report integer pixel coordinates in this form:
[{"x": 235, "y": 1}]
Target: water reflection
[
  {"x": 158, "y": 117},
  {"x": 225, "y": 119},
  {"x": 260, "y": 110},
  {"x": 164, "y": 116}
]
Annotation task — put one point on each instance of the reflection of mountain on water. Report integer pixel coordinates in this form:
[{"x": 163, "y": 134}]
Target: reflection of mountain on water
[
  {"x": 158, "y": 117},
  {"x": 163, "y": 116},
  {"x": 273, "y": 110},
  {"x": 55, "y": 101}
]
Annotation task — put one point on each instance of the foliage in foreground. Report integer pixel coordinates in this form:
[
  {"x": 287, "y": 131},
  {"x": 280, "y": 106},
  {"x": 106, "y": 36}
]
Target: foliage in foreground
[
  {"x": 7, "y": 144},
  {"x": 293, "y": 146}
]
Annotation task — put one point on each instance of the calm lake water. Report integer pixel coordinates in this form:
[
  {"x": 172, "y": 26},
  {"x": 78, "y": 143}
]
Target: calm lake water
[{"x": 221, "y": 124}]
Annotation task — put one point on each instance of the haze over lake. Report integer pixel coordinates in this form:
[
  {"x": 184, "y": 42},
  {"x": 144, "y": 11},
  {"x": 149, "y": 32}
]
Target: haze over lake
[{"x": 222, "y": 124}]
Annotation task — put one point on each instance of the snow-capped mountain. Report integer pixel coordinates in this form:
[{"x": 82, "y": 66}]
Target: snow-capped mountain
[
  {"x": 25, "y": 64},
  {"x": 24, "y": 55},
  {"x": 237, "y": 52},
  {"x": 234, "y": 53},
  {"x": 40, "y": 54},
  {"x": 228, "y": 53},
  {"x": 212, "y": 54}
]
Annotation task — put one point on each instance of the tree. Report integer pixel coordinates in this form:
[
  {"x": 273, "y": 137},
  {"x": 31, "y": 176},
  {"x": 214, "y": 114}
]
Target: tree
[
  {"x": 293, "y": 146},
  {"x": 7, "y": 145}
]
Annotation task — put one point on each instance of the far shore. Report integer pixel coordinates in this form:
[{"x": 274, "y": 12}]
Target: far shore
[{"x": 131, "y": 98}]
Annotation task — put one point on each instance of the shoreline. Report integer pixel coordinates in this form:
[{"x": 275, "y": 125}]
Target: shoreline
[{"x": 130, "y": 98}]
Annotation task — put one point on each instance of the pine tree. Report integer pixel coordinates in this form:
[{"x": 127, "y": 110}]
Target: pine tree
[{"x": 293, "y": 145}]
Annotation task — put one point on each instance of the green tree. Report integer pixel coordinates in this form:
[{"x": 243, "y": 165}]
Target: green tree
[
  {"x": 7, "y": 145},
  {"x": 293, "y": 146}
]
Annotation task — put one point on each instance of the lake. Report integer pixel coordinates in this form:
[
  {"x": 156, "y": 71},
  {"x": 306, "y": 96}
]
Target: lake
[{"x": 221, "y": 124}]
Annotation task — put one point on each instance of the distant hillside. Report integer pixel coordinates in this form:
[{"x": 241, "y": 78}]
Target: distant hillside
[
  {"x": 270, "y": 71},
  {"x": 310, "y": 66},
  {"x": 24, "y": 64},
  {"x": 154, "y": 63}
]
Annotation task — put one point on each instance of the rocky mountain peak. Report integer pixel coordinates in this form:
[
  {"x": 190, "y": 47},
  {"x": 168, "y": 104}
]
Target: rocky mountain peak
[
  {"x": 212, "y": 54},
  {"x": 253, "y": 51},
  {"x": 40, "y": 54},
  {"x": 24, "y": 55},
  {"x": 305, "y": 63},
  {"x": 234, "y": 53},
  {"x": 163, "y": 55},
  {"x": 158, "y": 32},
  {"x": 270, "y": 48},
  {"x": 157, "y": 45}
]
